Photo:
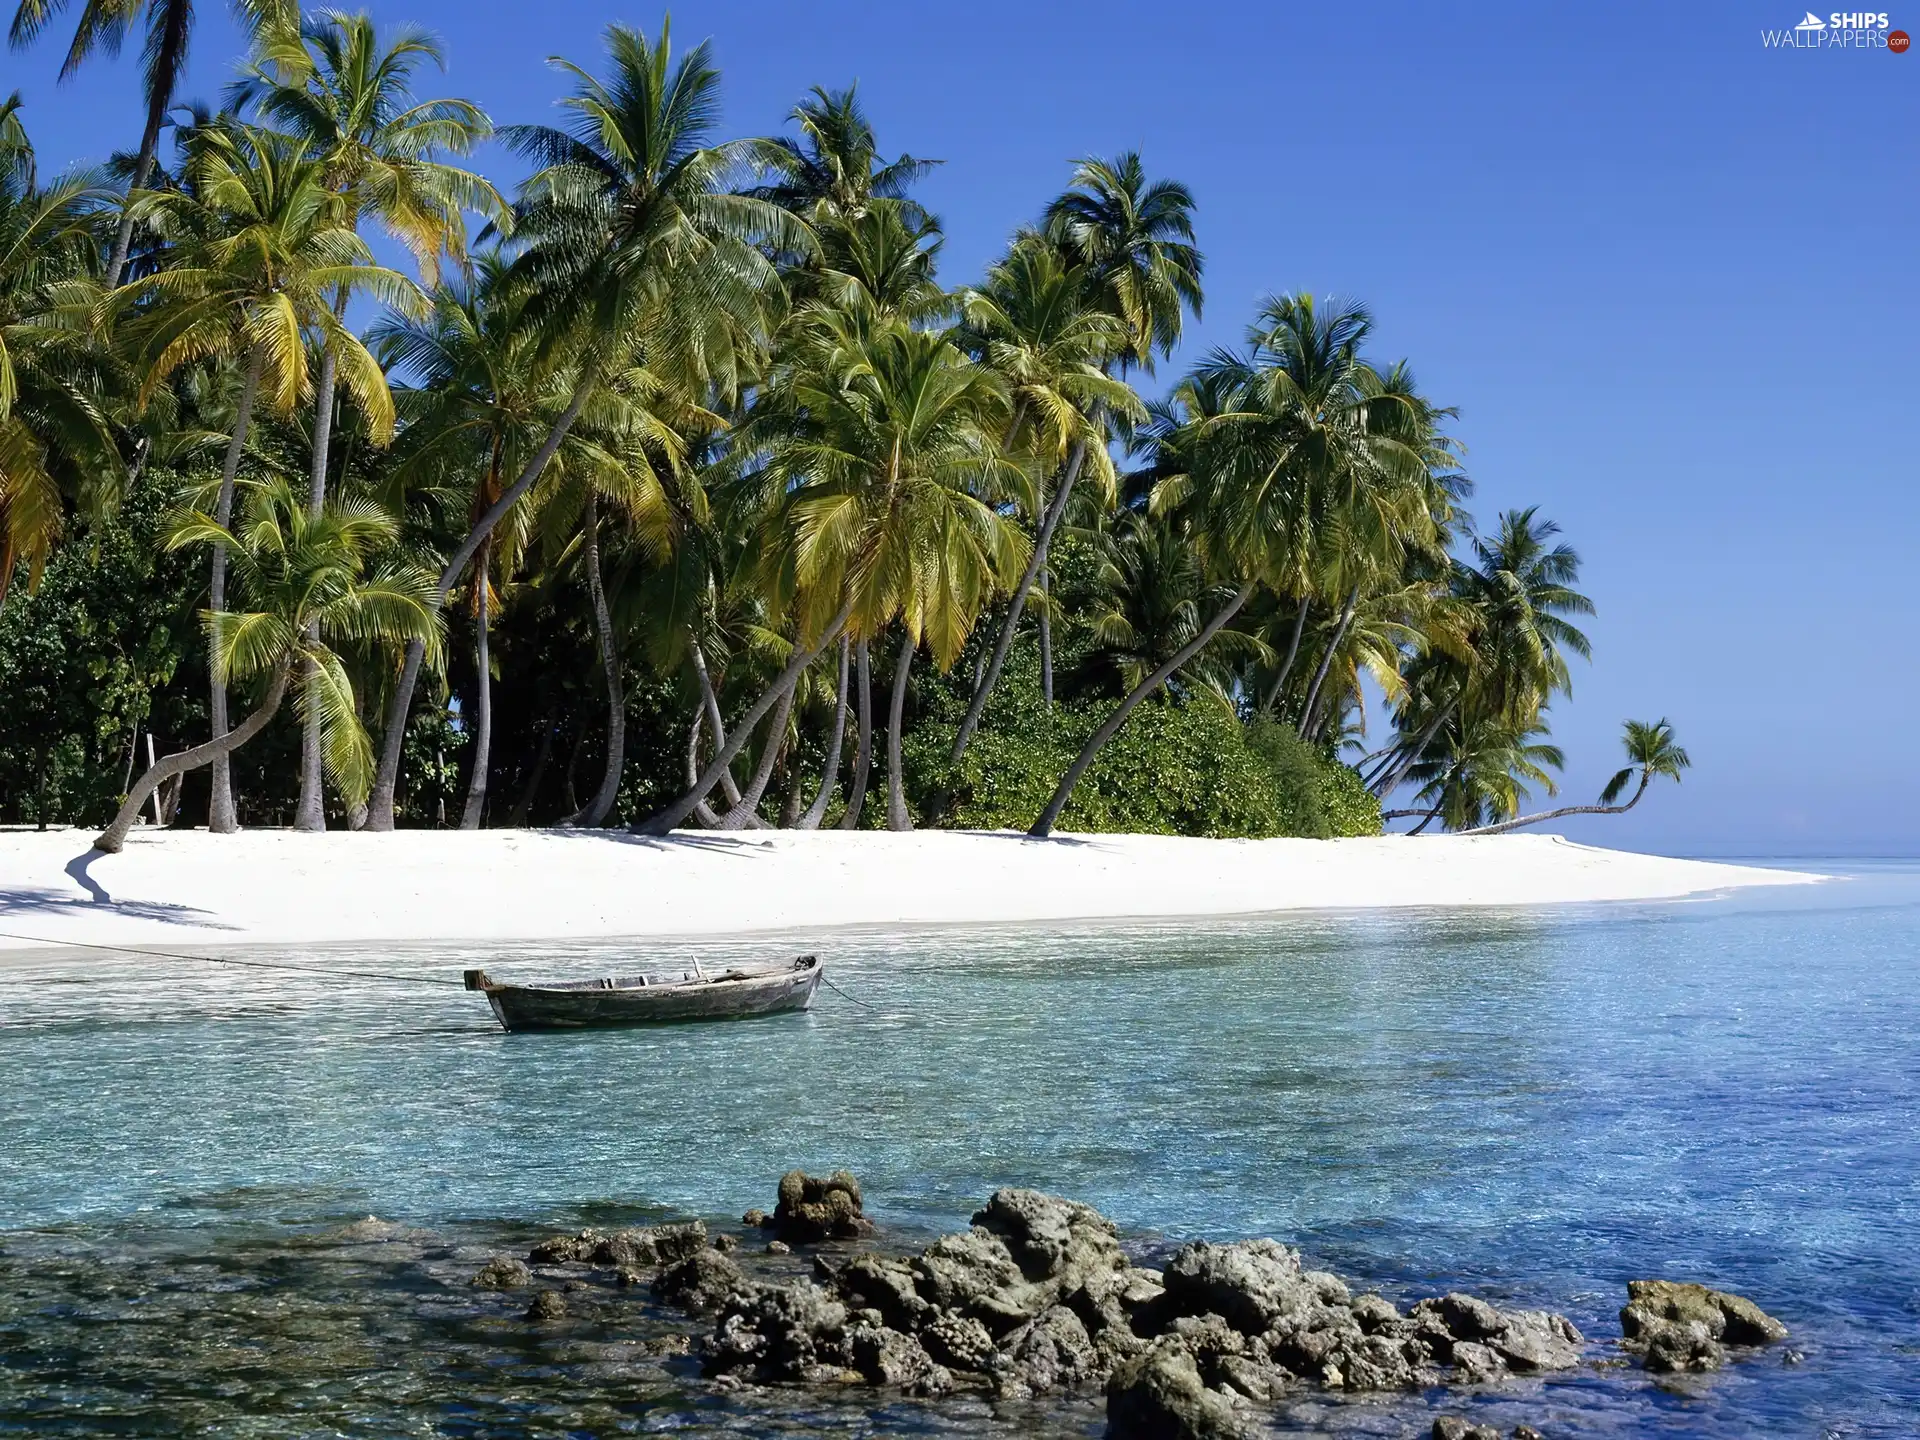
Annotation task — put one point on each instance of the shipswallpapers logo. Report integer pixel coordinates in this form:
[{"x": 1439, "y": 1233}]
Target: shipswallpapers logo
[{"x": 1841, "y": 30}]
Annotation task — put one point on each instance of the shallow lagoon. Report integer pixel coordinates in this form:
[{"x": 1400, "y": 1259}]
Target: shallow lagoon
[{"x": 1534, "y": 1105}]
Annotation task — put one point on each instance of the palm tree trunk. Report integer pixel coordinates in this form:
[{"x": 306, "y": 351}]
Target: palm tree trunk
[
  {"x": 703, "y": 812},
  {"x": 1043, "y": 826},
  {"x": 483, "y": 732},
  {"x": 1003, "y": 642},
  {"x": 380, "y": 802},
  {"x": 142, "y": 172},
  {"x": 1428, "y": 818},
  {"x": 1307, "y": 711},
  {"x": 711, "y": 700},
  {"x": 222, "y": 818},
  {"x": 664, "y": 821},
  {"x": 836, "y": 744},
  {"x": 897, "y": 816},
  {"x": 114, "y": 836},
  {"x": 542, "y": 758},
  {"x": 1518, "y": 821},
  {"x": 863, "y": 740},
  {"x": 1046, "y": 637},
  {"x": 311, "y": 811},
  {"x": 745, "y": 810},
  {"x": 596, "y": 810},
  {"x": 1397, "y": 767},
  {"x": 1272, "y": 697}
]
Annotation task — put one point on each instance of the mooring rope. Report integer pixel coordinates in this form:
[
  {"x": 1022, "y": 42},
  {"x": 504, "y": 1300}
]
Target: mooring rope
[
  {"x": 844, "y": 996},
  {"x": 230, "y": 960}
]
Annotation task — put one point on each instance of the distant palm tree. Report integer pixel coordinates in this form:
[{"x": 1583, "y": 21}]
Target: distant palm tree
[
  {"x": 297, "y": 577},
  {"x": 1480, "y": 771},
  {"x": 1651, "y": 752},
  {"x": 56, "y": 438},
  {"x": 103, "y": 26}
]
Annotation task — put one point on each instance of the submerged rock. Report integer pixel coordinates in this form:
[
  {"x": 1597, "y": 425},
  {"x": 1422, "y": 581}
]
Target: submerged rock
[
  {"x": 503, "y": 1272},
  {"x": 547, "y": 1305}
]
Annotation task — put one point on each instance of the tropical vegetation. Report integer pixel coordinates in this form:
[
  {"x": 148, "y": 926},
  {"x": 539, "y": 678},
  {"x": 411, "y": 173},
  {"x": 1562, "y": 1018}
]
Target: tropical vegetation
[{"x": 674, "y": 484}]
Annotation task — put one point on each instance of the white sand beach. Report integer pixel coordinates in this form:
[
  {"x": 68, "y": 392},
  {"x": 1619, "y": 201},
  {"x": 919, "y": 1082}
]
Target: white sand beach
[{"x": 188, "y": 888}]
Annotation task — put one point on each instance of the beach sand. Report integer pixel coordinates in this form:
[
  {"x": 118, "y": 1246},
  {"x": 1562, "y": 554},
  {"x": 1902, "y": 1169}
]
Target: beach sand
[{"x": 192, "y": 889}]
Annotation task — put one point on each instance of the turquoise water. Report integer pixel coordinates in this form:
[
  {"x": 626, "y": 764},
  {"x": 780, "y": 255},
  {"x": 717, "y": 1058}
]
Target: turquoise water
[{"x": 1537, "y": 1105}]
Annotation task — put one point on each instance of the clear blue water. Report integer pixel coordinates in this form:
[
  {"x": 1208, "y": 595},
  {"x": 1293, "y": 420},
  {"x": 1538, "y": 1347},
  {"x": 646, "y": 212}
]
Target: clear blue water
[{"x": 1536, "y": 1105}]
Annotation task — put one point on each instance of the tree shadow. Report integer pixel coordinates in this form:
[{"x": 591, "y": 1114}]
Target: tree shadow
[{"x": 24, "y": 900}]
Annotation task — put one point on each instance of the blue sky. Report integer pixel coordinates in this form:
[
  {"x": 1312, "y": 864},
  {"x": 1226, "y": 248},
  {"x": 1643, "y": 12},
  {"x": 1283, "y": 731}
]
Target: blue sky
[{"x": 1667, "y": 275}]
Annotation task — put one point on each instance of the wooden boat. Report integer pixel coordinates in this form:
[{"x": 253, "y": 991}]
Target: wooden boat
[{"x": 731, "y": 994}]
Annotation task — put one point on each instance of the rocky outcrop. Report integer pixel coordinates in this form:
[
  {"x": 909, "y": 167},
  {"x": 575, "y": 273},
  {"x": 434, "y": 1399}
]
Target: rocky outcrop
[
  {"x": 1038, "y": 1297},
  {"x": 1676, "y": 1327}
]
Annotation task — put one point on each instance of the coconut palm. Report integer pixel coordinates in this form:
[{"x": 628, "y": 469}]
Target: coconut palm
[
  {"x": 297, "y": 577},
  {"x": 1651, "y": 753},
  {"x": 632, "y": 248},
  {"x": 55, "y": 380},
  {"x": 1037, "y": 322},
  {"x": 883, "y": 446},
  {"x": 1136, "y": 239},
  {"x": 1480, "y": 770},
  {"x": 834, "y": 170},
  {"x": 259, "y": 251},
  {"x": 103, "y": 25},
  {"x": 335, "y": 86}
]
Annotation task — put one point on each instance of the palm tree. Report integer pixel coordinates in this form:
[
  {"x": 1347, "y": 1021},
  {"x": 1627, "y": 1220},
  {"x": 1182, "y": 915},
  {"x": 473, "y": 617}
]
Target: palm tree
[
  {"x": 834, "y": 172},
  {"x": 56, "y": 439},
  {"x": 1509, "y": 610},
  {"x": 104, "y": 25},
  {"x": 883, "y": 447},
  {"x": 1480, "y": 770},
  {"x": 259, "y": 251},
  {"x": 297, "y": 577},
  {"x": 1651, "y": 752},
  {"x": 337, "y": 89},
  {"x": 1136, "y": 239},
  {"x": 632, "y": 248},
  {"x": 1036, "y": 322}
]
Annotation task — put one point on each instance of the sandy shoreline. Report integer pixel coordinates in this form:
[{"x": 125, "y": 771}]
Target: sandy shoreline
[{"x": 191, "y": 888}]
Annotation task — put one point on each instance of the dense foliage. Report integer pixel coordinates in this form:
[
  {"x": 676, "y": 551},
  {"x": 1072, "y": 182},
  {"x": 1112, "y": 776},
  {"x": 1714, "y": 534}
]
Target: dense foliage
[{"x": 682, "y": 489}]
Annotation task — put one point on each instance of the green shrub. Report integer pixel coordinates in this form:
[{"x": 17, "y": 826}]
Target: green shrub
[{"x": 1174, "y": 769}]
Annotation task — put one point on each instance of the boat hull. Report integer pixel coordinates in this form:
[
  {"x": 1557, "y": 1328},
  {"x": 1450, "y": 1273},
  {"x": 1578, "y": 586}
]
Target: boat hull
[{"x": 612, "y": 1004}]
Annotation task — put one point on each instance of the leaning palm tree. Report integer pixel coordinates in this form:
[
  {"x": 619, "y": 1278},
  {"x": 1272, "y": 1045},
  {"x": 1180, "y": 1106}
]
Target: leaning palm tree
[
  {"x": 103, "y": 26},
  {"x": 56, "y": 439},
  {"x": 884, "y": 461},
  {"x": 1481, "y": 771},
  {"x": 633, "y": 249},
  {"x": 304, "y": 584},
  {"x": 259, "y": 251},
  {"x": 1651, "y": 753},
  {"x": 347, "y": 94}
]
